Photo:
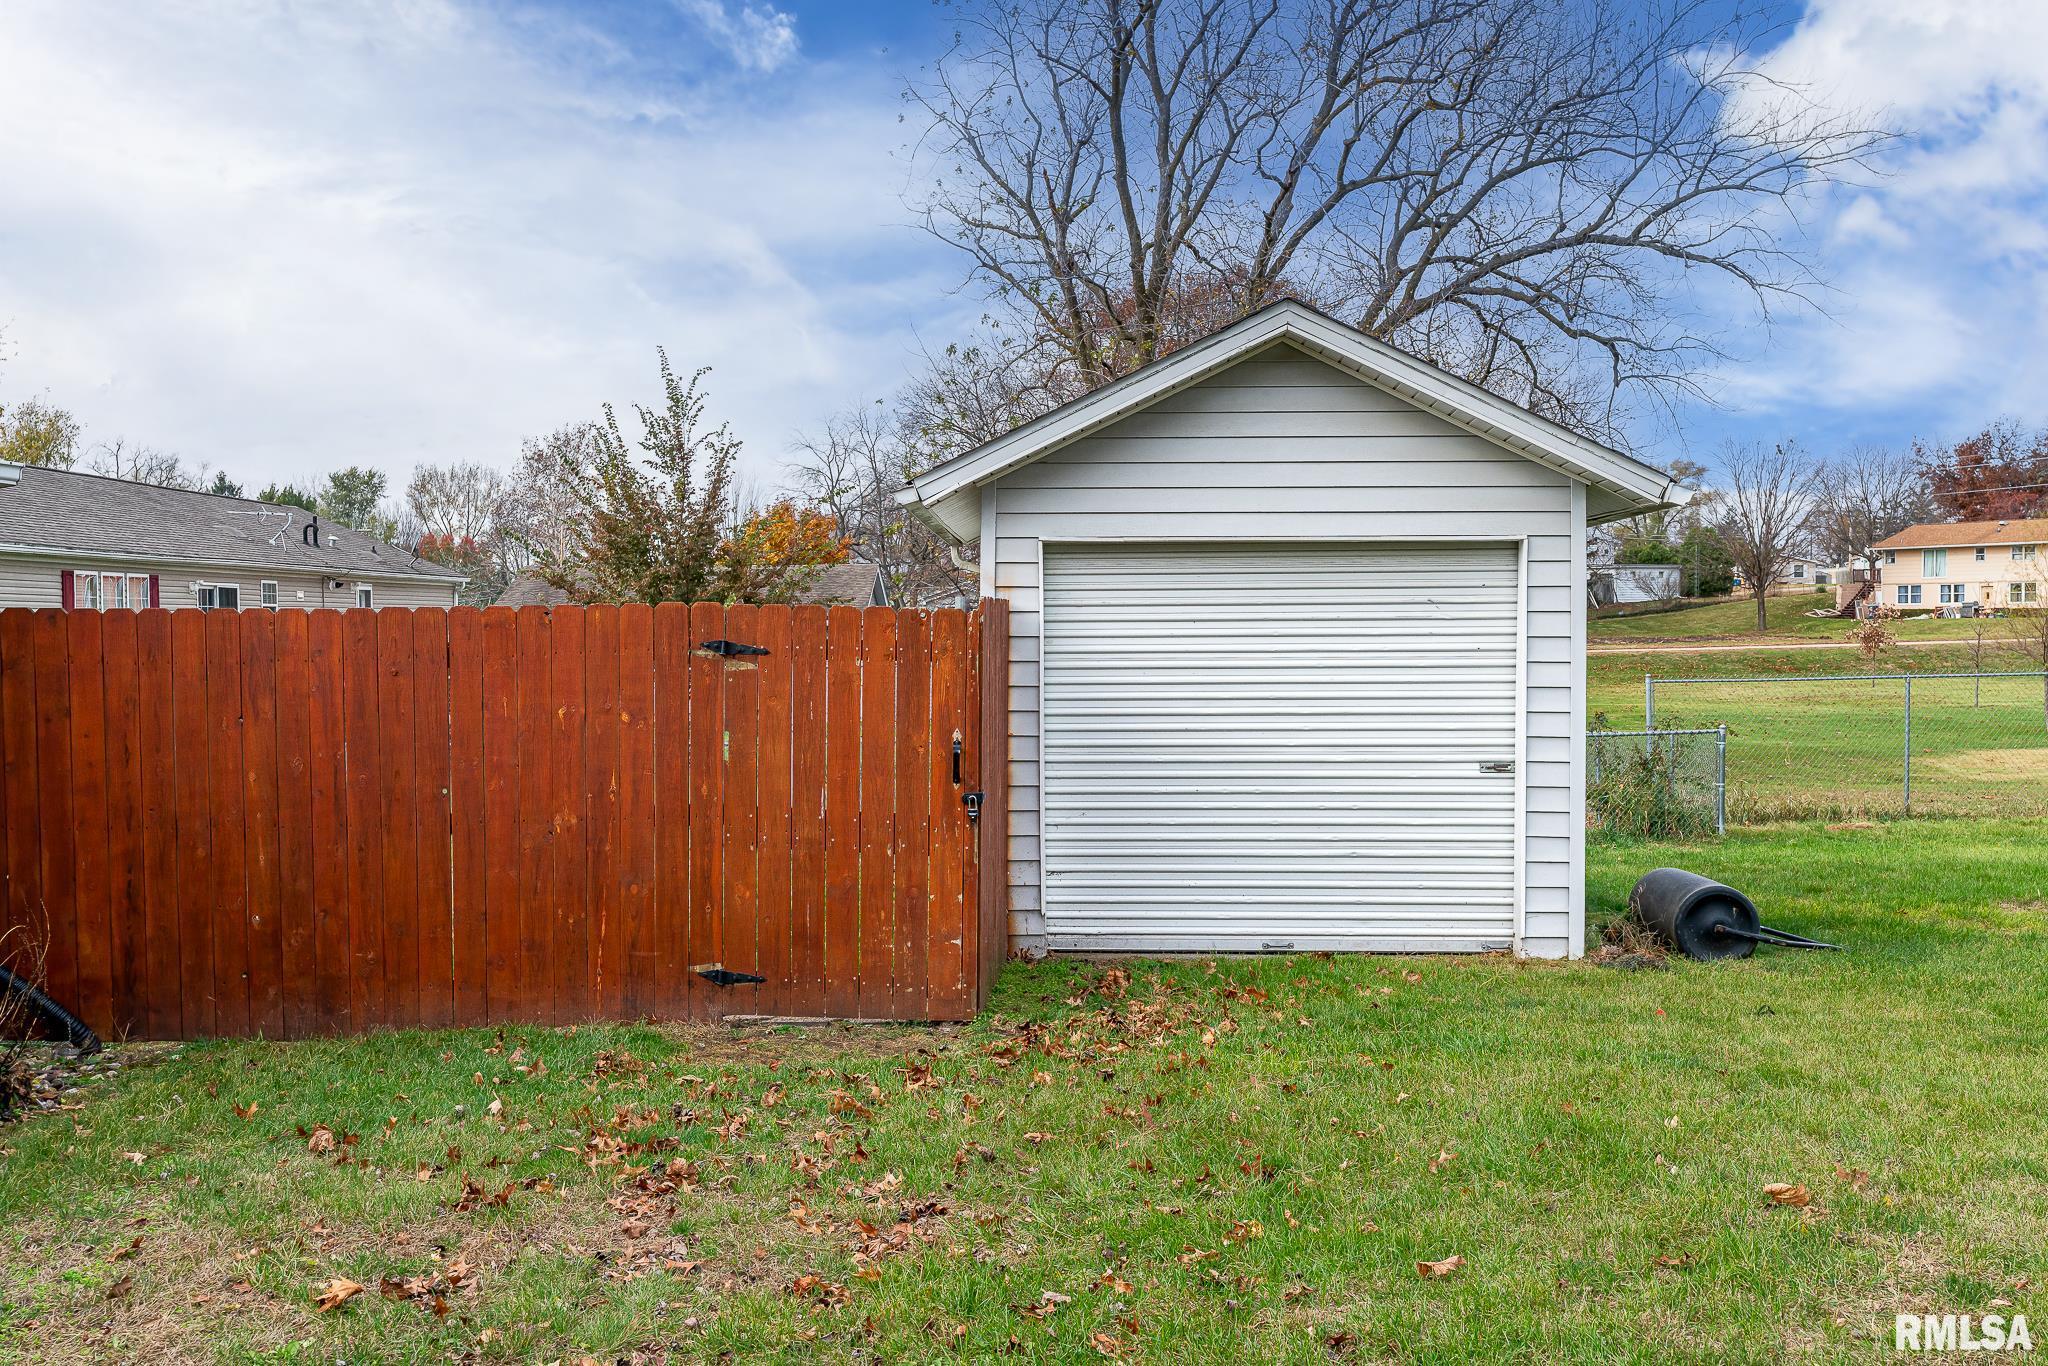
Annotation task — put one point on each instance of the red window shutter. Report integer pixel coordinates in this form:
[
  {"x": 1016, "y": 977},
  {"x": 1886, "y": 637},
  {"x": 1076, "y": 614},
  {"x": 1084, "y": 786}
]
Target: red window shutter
[
  {"x": 70, "y": 589},
  {"x": 156, "y": 597}
]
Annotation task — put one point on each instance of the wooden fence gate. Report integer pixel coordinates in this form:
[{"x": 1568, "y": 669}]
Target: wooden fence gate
[{"x": 296, "y": 823}]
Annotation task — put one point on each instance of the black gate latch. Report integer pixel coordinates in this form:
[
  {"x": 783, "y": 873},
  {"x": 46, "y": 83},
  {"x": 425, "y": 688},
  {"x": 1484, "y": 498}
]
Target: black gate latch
[
  {"x": 729, "y": 648},
  {"x": 719, "y": 975}
]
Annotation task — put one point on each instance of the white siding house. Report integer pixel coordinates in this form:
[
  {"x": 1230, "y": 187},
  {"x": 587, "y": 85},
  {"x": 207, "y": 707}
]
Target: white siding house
[
  {"x": 80, "y": 541},
  {"x": 1297, "y": 654}
]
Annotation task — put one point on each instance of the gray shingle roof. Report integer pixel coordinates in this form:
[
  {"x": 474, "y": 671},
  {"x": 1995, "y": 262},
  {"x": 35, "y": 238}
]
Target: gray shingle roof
[
  {"x": 63, "y": 510},
  {"x": 855, "y": 583}
]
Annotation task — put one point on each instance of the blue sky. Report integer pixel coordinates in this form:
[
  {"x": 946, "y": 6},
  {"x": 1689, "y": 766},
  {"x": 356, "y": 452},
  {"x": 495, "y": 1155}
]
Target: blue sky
[{"x": 280, "y": 237}]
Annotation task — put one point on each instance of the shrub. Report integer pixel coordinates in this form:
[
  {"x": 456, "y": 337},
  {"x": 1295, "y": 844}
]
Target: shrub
[{"x": 1648, "y": 791}]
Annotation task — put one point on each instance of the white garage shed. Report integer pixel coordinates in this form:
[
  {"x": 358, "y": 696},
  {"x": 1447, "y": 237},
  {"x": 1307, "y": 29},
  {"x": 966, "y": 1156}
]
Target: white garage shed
[{"x": 1297, "y": 651}]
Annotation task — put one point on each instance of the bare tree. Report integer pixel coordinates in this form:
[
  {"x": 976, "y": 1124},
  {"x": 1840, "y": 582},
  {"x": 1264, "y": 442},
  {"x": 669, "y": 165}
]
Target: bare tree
[
  {"x": 1764, "y": 514},
  {"x": 1514, "y": 189},
  {"x": 139, "y": 464},
  {"x": 1863, "y": 496},
  {"x": 458, "y": 500},
  {"x": 853, "y": 470},
  {"x": 538, "y": 513}
]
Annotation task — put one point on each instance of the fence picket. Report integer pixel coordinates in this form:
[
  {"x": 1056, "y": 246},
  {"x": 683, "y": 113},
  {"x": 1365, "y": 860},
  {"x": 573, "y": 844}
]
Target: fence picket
[
  {"x": 774, "y": 913},
  {"x": 260, "y": 822},
  {"x": 296, "y": 832},
  {"x": 159, "y": 1012},
  {"x": 230, "y": 904},
  {"x": 639, "y": 942}
]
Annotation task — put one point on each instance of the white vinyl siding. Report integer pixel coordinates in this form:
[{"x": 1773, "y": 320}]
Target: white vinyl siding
[
  {"x": 1280, "y": 746},
  {"x": 36, "y": 581},
  {"x": 1282, "y": 447}
]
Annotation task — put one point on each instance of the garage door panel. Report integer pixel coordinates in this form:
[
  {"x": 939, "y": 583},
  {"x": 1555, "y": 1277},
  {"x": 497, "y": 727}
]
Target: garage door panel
[{"x": 1251, "y": 747}]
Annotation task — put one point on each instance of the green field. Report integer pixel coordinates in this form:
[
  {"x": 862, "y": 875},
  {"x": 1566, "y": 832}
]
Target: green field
[
  {"x": 1202, "y": 1161},
  {"x": 1836, "y": 749},
  {"x": 1734, "y": 621}
]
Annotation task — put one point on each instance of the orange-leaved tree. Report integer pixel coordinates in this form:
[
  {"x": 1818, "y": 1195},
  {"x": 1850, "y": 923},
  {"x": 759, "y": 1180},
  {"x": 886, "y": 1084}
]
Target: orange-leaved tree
[{"x": 776, "y": 553}]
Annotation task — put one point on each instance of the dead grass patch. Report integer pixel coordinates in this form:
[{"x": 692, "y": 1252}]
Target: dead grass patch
[{"x": 1987, "y": 765}]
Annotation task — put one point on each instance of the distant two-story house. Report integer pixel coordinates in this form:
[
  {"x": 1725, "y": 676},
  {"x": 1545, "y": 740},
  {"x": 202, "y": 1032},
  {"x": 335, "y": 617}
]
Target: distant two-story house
[
  {"x": 86, "y": 543},
  {"x": 1948, "y": 564}
]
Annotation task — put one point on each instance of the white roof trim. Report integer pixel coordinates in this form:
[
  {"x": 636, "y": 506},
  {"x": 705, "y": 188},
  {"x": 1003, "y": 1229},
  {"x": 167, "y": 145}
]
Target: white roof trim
[{"x": 1638, "y": 487}]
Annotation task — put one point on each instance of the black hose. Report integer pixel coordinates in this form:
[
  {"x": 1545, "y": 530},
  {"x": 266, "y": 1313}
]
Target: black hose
[{"x": 76, "y": 1031}]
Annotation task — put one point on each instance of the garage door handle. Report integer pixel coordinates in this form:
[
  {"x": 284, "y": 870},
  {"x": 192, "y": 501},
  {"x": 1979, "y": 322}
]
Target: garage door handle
[{"x": 1498, "y": 766}]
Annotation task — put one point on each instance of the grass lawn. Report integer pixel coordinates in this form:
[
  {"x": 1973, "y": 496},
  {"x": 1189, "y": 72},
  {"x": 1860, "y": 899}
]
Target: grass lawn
[
  {"x": 1836, "y": 749},
  {"x": 1230, "y": 1160},
  {"x": 1735, "y": 621}
]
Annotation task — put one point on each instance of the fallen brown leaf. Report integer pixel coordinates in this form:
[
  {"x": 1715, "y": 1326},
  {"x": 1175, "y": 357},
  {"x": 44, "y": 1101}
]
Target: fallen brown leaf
[
  {"x": 1784, "y": 1193},
  {"x": 339, "y": 1291},
  {"x": 1431, "y": 1270}
]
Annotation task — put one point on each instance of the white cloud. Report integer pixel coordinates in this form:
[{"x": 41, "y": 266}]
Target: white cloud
[
  {"x": 1939, "y": 264},
  {"x": 759, "y": 37},
  {"x": 283, "y": 238}
]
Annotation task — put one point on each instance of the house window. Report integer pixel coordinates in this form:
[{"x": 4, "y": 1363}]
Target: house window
[
  {"x": 1953, "y": 592},
  {"x": 94, "y": 591},
  {"x": 1798, "y": 571},
  {"x": 1891, "y": 557},
  {"x": 1980, "y": 554},
  {"x": 267, "y": 590},
  {"x": 363, "y": 595},
  {"x": 1933, "y": 563},
  {"x": 1909, "y": 594},
  {"x": 2023, "y": 552},
  {"x": 2023, "y": 594},
  {"x": 212, "y": 595}
]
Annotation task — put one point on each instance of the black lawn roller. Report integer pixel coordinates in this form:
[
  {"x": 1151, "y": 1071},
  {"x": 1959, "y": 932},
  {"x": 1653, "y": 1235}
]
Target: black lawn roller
[{"x": 1704, "y": 919}]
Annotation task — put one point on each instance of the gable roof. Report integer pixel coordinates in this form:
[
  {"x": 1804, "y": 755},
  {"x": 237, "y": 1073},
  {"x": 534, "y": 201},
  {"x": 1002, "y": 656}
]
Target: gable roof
[
  {"x": 55, "y": 512},
  {"x": 2016, "y": 531},
  {"x": 945, "y": 495},
  {"x": 857, "y": 583}
]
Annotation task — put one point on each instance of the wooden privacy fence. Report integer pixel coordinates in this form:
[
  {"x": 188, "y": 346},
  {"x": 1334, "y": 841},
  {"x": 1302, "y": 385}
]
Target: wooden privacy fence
[{"x": 295, "y": 823}]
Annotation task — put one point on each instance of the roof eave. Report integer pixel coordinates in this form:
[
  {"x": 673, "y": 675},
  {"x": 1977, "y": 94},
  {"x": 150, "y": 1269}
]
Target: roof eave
[
  {"x": 60, "y": 552},
  {"x": 1464, "y": 405}
]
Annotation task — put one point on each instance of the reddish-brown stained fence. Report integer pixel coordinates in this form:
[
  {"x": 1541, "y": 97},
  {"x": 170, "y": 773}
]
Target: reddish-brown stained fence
[{"x": 301, "y": 823}]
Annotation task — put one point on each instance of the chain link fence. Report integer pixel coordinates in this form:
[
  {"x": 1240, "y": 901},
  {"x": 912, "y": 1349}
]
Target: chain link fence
[
  {"x": 1664, "y": 784},
  {"x": 1849, "y": 746}
]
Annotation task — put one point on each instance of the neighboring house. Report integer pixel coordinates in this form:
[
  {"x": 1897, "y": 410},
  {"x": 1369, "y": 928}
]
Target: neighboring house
[
  {"x": 1298, "y": 632},
  {"x": 1800, "y": 575},
  {"x": 1614, "y": 585},
  {"x": 82, "y": 541},
  {"x": 853, "y": 584},
  {"x": 1945, "y": 564}
]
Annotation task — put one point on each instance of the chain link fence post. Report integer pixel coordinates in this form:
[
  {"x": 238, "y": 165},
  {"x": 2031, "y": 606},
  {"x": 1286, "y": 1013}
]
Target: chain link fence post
[
  {"x": 1906, "y": 804},
  {"x": 1721, "y": 780}
]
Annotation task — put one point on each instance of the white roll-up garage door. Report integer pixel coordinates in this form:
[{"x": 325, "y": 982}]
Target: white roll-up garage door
[{"x": 1275, "y": 746}]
